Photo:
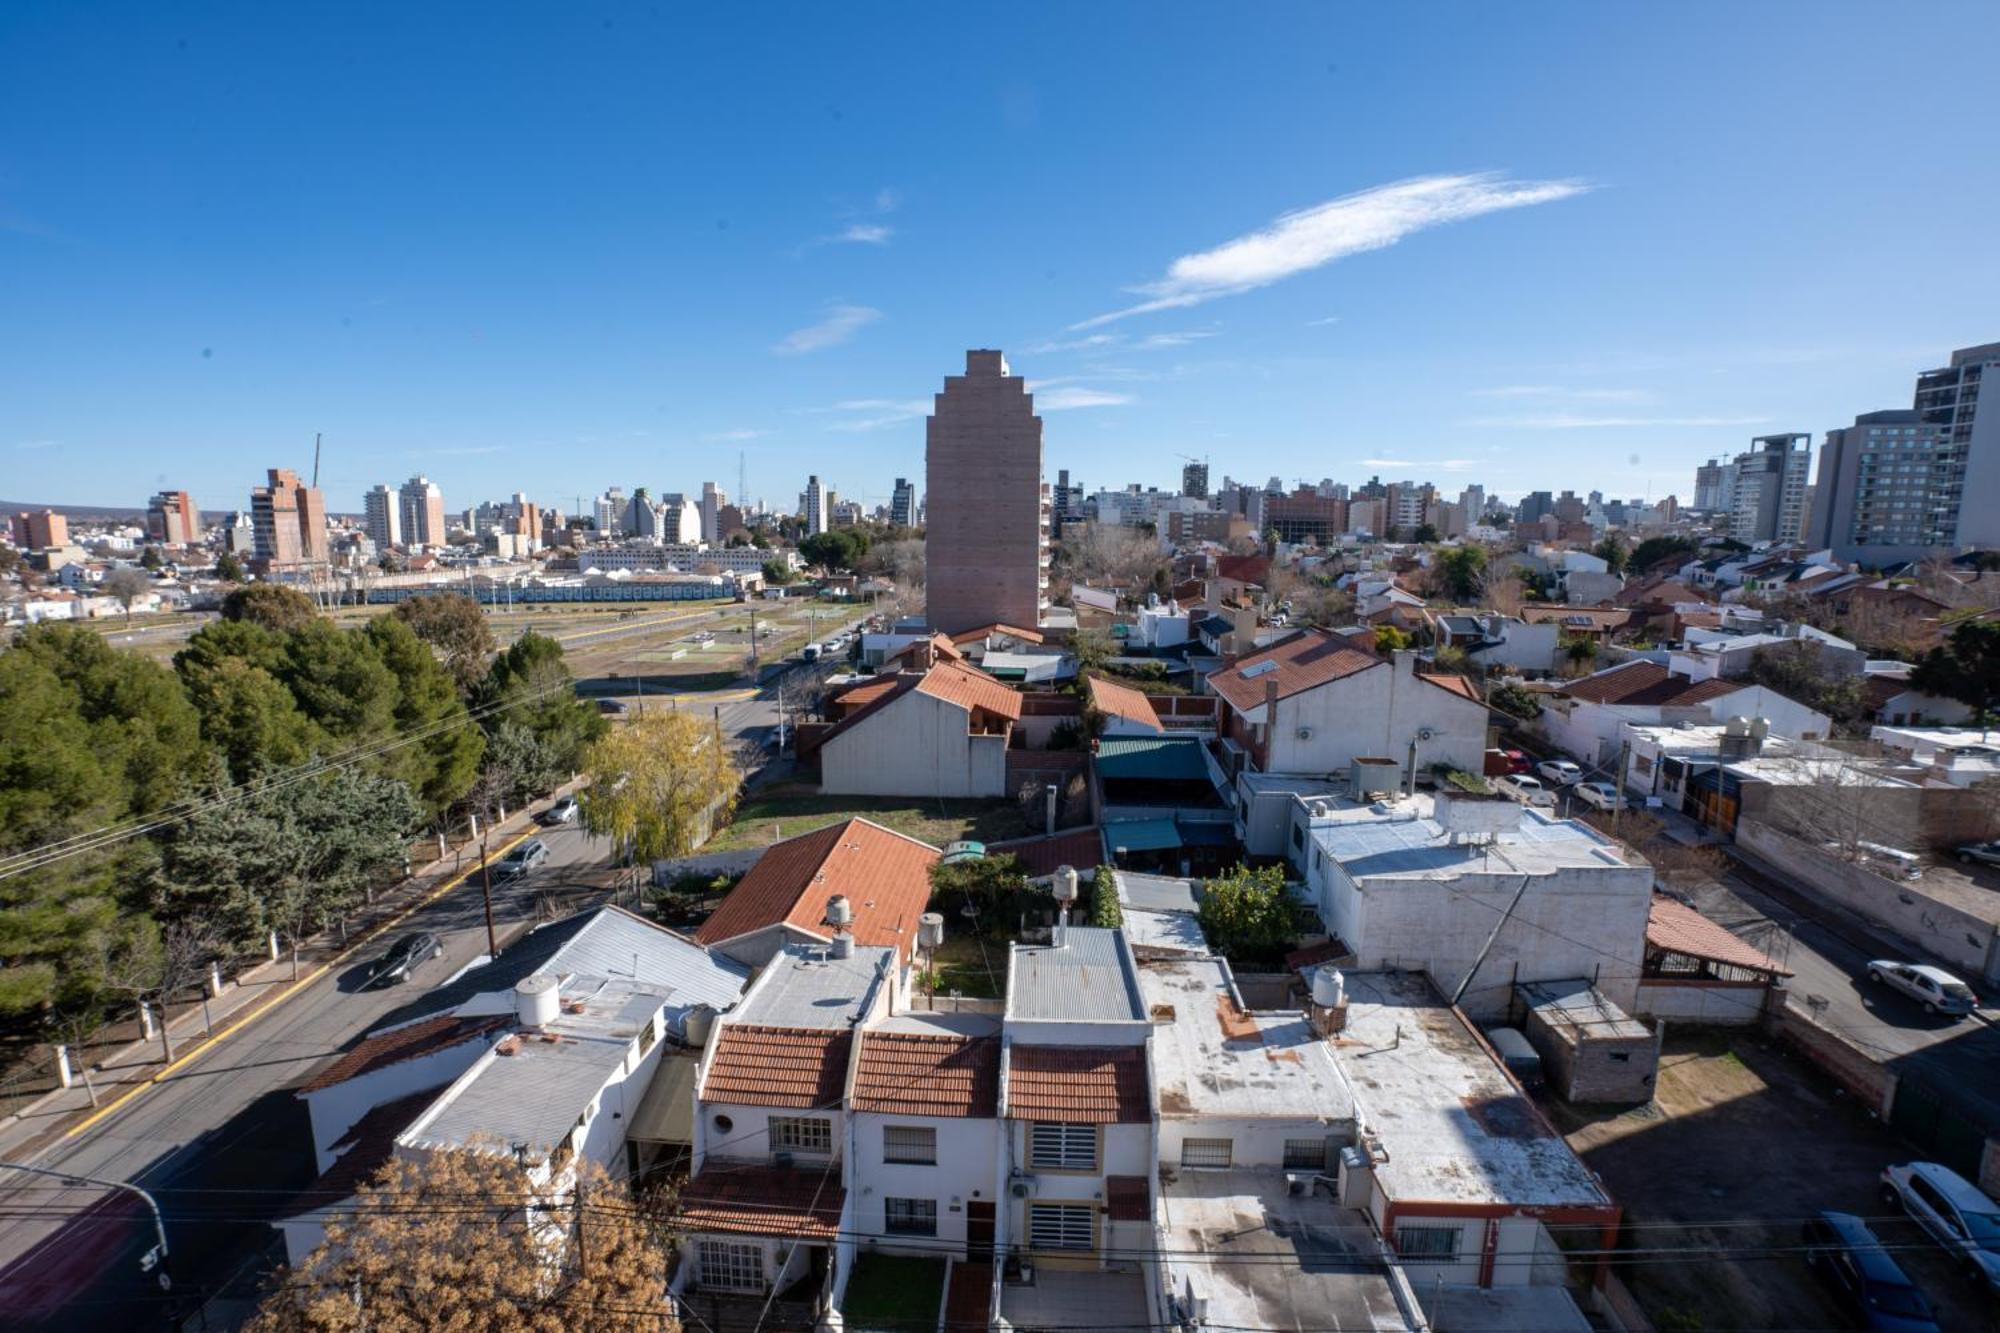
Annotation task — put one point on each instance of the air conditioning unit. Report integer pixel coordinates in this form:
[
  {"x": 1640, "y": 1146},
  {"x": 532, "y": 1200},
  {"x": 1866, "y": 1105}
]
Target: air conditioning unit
[
  {"x": 1304, "y": 733},
  {"x": 1021, "y": 1189}
]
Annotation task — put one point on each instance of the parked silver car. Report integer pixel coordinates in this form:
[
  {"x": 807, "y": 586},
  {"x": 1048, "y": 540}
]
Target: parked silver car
[
  {"x": 1937, "y": 990},
  {"x": 1983, "y": 853},
  {"x": 1602, "y": 795},
  {"x": 1558, "y": 772},
  {"x": 1953, "y": 1211}
]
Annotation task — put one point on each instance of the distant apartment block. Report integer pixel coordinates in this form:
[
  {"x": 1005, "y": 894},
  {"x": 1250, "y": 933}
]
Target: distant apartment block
[
  {"x": 422, "y": 513},
  {"x": 288, "y": 519},
  {"x": 1907, "y": 484},
  {"x": 1769, "y": 499},
  {"x": 35, "y": 532},
  {"x": 987, "y": 510},
  {"x": 607, "y": 511},
  {"x": 903, "y": 504},
  {"x": 713, "y": 501},
  {"x": 813, "y": 506},
  {"x": 1194, "y": 480},
  {"x": 171, "y": 518},
  {"x": 382, "y": 517}
]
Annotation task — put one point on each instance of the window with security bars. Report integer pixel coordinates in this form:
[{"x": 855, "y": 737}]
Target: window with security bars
[
  {"x": 731, "y": 1266},
  {"x": 1061, "y": 1146},
  {"x": 797, "y": 1133},
  {"x": 1305, "y": 1154},
  {"x": 912, "y": 1145},
  {"x": 1061, "y": 1226},
  {"x": 1430, "y": 1245},
  {"x": 910, "y": 1217},
  {"x": 1207, "y": 1152}
]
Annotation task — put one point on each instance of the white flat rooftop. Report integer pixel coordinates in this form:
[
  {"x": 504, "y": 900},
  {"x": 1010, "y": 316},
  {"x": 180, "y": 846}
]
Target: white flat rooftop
[
  {"x": 1213, "y": 1058},
  {"x": 1153, "y": 934},
  {"x": 1402, "y": 841},
  {"x": 1456, "y": 1127},
  {"x": 1257, "y": 1256},
  {"x": 806, "y": 987}
]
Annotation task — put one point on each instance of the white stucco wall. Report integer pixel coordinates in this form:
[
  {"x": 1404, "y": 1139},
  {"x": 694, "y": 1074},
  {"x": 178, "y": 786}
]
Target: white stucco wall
[
  {"x": 1375, "y": 712},
  {"x": 968, "y": 1151},
  {"x": 334, "y": 1110},
  {"x": 1255, "y": 1142},
  {"x": 914, "y": 746},
  {"x": 749, "y": 1133}
]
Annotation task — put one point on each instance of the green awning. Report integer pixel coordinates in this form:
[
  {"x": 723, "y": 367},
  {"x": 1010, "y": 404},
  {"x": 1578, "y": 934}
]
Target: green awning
[
  {"x": 1152, "y": 758},
  {"x": 1142, "y": 835}
]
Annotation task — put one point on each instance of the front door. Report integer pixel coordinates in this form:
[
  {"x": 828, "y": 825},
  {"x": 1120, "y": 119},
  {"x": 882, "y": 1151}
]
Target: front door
[{"x": 979, "y": 1231}]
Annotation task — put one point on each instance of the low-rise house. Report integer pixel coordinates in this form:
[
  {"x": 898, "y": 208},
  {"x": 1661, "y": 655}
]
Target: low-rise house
[
  {"x": 941, "y": 731},
  {"x": 1585, "y": 718},
  {"x": 1592, "y": 1051},
  {"x": 1707, "y": 654},
  {"x": 1162, "y": 796},
  {"x": 1479, "y": 892},
  {"x": 1314, "y": 703},
  {"x": 883, "y": 876},
  {"x": 1499, "y": 642}
]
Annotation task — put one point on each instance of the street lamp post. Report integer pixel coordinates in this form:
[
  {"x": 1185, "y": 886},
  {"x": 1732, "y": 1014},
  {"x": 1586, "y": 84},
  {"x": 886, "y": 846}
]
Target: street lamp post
[{"x": 155, "y": 1258}]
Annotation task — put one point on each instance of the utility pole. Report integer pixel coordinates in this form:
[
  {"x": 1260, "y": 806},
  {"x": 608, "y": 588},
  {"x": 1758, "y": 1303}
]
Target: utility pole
[
  {"x": 1624, "y": 771},
  {"x": 484, "y": 829},
  {"x": 153, "y": 1258}
]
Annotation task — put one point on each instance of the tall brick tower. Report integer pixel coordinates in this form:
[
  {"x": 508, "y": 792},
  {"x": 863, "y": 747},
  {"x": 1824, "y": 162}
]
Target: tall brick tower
[{"x": 986, "y": 511}]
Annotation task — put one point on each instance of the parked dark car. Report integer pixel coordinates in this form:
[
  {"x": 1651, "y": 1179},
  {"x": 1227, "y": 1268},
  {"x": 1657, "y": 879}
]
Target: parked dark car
[
  {"x": 1845, "y": 1255},
  {"x": 614, "y": 707},
  {"x": 403, "y": 958}
]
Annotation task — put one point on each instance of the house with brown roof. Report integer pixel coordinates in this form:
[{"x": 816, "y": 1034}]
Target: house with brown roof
[
  {"x": 883, "y": 877},
  {"x": 1125, "y": 711},
  {"x": 940, "y": 730},
  {"x": 1314, "y": 703},
  {"x": 1585, "y": 718}
]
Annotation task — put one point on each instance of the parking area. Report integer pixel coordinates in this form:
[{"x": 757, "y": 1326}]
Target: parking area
[{"x": 1742, "y": 1144}]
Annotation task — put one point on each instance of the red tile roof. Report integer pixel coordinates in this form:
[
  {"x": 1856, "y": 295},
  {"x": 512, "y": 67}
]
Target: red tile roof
[
  {"x": 773, "y": 1066},
  {"x": 946, "y": 649},
  {"x": 1307, "y": 659},
  {"x": 1014, "y": 631},
  {"x": 1674, "y": 927},
  {"x": 1244, "y": 568},
  {"x": 764, "y": 1201},
  {"x": 1128, "y": 1198},
  {"x": 928, "y": 1074},
  {"x": 956, "y": 683},
  {"x": 1122, "y": 701},
  {"x": 1458, "y": 685},
  {"x": 856, "y": 697},
  {"x": 885, "y": 876},
  {"x": 1098, "y": 1085},
  {"x": 404, "y": 1043},
  {"x": 1647, "y": 684},
  {"x": 1081, "y": 848}
]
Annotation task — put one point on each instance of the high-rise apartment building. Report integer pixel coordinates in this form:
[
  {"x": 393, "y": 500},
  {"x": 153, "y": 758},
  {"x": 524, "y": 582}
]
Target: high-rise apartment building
[
  {"x": 422, "y": 513},
  {"x": 987, "y": 511},
  {"x": 903, "y": 504},
  {"x": 1715, "y": 486},
  {"x": 1769, "y": 495},
  {"x": 813, "y": 506},
  {"x": 382, "y": 517},
  {"x": 607, "y": 512},
  {"x": 35, "y": 532},
  {"x": 1194, "y": 480},
  {"x": 288, "y": 519},
  {"x": 713, "y": 500},
  {"x": 171, "y": 517},
  {"x": 680, "y": 519}
]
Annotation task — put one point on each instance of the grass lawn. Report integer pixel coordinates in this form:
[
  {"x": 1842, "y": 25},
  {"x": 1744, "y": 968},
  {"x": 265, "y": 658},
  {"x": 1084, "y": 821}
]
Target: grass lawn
[
  {"x": 894, "y": 1292},
  {"x": 787, "y": 811},
  {"x": 961, "y": 965}
]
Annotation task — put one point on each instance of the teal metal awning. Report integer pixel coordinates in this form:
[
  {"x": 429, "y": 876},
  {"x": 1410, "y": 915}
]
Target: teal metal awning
[
  {"x": 1142, "y": 835},
  {"x": 1152, "y": 758}
]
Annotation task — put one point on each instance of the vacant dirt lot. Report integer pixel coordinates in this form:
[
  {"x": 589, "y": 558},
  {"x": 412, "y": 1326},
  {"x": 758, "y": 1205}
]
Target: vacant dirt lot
[{"x": 1744, "y": 1142}]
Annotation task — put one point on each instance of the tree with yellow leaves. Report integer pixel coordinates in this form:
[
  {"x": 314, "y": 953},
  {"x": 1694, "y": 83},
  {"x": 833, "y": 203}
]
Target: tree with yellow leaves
[
  {"x": 660, "y": 784},
  {"x": 462, "y": 1240}
]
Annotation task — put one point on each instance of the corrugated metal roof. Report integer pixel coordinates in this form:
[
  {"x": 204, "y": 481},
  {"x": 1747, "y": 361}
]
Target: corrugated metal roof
[
  {"x": 1142, "y": 835},
  {"x": 1152, "y": 758},
  {"x": 1089, "y": 977},
  {"x": 666, "y": 1112}
]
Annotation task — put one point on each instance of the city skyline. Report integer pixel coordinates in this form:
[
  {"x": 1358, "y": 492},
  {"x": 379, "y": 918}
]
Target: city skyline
[{"x": 783, "y": 262}]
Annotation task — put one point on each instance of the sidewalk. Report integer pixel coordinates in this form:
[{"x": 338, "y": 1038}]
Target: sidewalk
[{"x": 246, "y": 996}]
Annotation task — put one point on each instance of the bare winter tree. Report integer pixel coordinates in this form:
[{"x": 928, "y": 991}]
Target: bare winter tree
[
  {"x": 127, "y": 586},
  {"x": 157, "y": 967}
]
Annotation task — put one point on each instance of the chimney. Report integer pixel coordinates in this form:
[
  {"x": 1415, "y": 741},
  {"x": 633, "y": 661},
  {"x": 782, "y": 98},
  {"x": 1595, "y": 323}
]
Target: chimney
[
  {"x": 1271, "y": 707},
  {"x": 923, "y": 655}
]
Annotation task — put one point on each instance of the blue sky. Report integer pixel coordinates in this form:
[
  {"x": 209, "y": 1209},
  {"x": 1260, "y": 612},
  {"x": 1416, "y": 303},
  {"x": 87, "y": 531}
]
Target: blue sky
[{"x": 553, "y": 248}]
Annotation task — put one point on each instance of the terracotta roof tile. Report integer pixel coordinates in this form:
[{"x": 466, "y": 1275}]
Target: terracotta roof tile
[
  {"x": 946, "y": 649},
  {"x": 764, "y": 1201},
  {"x": 1128, "y": 1198},
  {"x": 1015, "y": 631},
  {"x": 773, "y": 1066},
  {"x": 1458, "y": 685},
  {"x": 1306, "y": 659},
  {"x": 1098, "y": 1085},
  {"x": 959, "y": 684},
  {"x": 1244, "y": 568},
  {"x": 1643, "y": 684},
  {"x": 885, "y": 876},
  {"x": 408, "y": 1042},
  {"x": 1081, "y": 848},
  {"x": 867, "y": 692},
  {"x": 1122, "y": 701},
  {"x": 927, "y": 1074},
  {"x": 1674, "y": 927}
]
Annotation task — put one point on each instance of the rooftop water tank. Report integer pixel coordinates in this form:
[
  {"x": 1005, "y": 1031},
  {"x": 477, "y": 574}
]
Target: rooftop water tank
[
  {"x": 930, "y": 930},
  {"x": 839, "y": 912},
  {"x": 1329, "y": 988},
  {"x": 1065, "y": 884},
  {"x": 843, "y": 943},
  {"x": 537, "y": 1000}
]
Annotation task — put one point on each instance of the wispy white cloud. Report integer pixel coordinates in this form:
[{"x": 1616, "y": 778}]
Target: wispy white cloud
[
  {"x": 1071, "y": 397},
  {"x": 1089, "y": 342},
  {"x": 738, "y": 433},
  {"x": 866, "y": 233},
  {"x": 860, "y": 414},
  {"x": 1162, "y": 341},
  {"x": 1423, "y": 464},
  {"x": 1352, "y": 224},
  {"x": 840, "y": 324},
  {"x": 37, "y": 444},
  {"x": 1565, "y": 392},
  {"x": 1575, "y": 421},
  {"x": 1321, "y": 322}
]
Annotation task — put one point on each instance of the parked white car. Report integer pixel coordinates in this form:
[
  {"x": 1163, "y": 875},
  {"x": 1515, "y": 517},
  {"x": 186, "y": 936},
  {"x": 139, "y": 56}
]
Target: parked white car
[
  {"x": 1936, "y": 989},
  {"x": 1526, "y": 790},
  {"x": 1560, "y": 772},
  {"x": 1953, "y": 1211},
  {"x": 1602, "y": 795}
]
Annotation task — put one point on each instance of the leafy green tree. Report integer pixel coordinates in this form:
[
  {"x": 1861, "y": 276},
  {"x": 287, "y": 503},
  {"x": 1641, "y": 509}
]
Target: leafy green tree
[
  {"x": 272, "y": 605},
  {"x": 455, "y": 628},
  {"x": 989, "y": 885},
  {"x": 1389, "y": 639},
  {"x": 836, "y": 548},
  {"x": 1459, "y": 571},
  {"x": 440, "y": 767},
  {"x": 1657, "y": 552},
  {"x": 778, "y": 573},
  {"x": 228, "y": 568},
  {"x": 660, "y": 785},
  {"x": 530, "y": 686},
  {"x": 289, "y": 858},
  {"x": 1091, "y": 648},
  {"x": 1612, "y": 552},
  {"x": 1966, "y": 667},
  {"x": 249, "y": 717},
  {"x": 1452, "y": 661},
  {"x": 1245, "y": 915},
  {"x": 340, "y": 684},
  {"x": 1579, "y": 649},
  {"x": 150, "y": 559},
  {"x": 1105, "y": 909},
  {"x": 1514, "y": 701},
  {"x": 1426, "y": 533}
]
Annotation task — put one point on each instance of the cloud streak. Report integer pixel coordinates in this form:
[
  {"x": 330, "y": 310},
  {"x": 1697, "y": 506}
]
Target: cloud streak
[
  {"x": 1577, "y": 421},
  {"x": 1072, "y": 397},
  {"x": 1561, "y": 392},
  {"x": 864, "y": 414},
  {"x": 1423, "y": 464},
  {"x": 1353, "y": 224},
  {"x": 840, "y": 325}
]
